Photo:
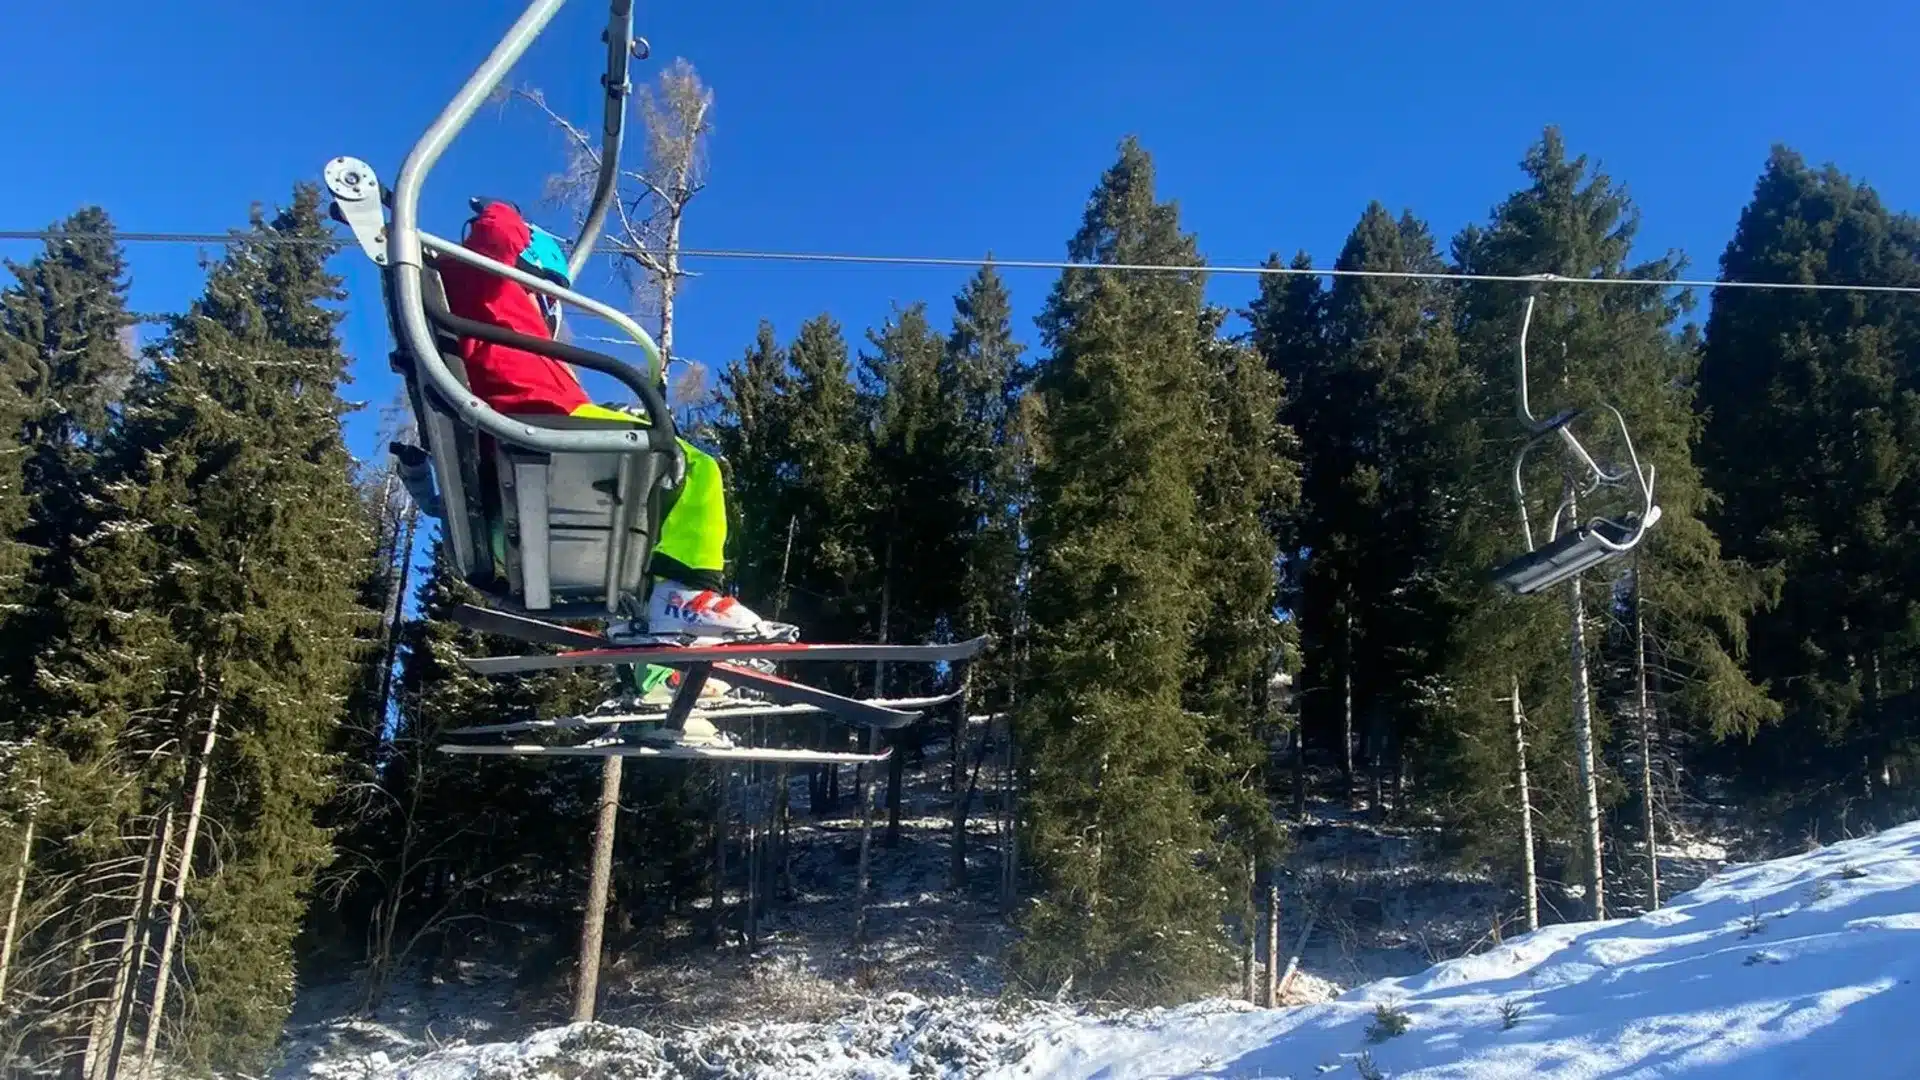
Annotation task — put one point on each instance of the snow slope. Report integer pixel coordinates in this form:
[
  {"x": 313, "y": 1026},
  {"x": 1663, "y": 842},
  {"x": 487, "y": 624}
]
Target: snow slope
[{"x": 1800, "y": 967}]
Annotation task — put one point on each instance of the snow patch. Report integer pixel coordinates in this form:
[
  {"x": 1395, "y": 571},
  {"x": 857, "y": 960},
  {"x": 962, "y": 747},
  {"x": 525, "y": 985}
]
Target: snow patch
[{"x": 1799, "y": 967}]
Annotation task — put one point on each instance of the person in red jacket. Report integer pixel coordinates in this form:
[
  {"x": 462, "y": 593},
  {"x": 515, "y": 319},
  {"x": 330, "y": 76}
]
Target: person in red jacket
[{"x": 687, "y": 598}]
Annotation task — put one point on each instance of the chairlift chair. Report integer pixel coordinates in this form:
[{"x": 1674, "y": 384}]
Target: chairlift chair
[
  {"x": 552, "y": 517},
  {"x": 1583, "y": 545}
]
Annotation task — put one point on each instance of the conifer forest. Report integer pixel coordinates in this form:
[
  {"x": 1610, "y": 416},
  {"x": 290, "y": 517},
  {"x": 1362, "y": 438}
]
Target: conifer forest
[{"x": 1235, "y": 565}]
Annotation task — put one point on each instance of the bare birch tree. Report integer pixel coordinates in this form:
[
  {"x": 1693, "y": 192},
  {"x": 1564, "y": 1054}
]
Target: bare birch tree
[
  {"x": 183, "y": 872},
  {"x": 1529, "y": 878},
  {"x": 1586, "y": 761},
  {"x": 1643, "y": 715},
  {"x": 644, "y": 234}
]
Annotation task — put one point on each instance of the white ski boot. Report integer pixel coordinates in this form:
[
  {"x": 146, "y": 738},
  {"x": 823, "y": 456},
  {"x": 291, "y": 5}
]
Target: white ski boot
[
  {"x": 695, "y": 731},
  {"x": 684, "y": 615}
]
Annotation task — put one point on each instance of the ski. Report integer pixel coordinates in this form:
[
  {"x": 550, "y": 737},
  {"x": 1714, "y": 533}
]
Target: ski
[
  {"x": 848, "y": 710},
  {"x": 524, "y": 628},
  {"x": 681, "y": 655},
  {"x": 695, "y": 753},
  {"x": 744, "y": 710}
]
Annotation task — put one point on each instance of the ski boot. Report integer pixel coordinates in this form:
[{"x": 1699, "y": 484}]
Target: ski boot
[{"x": 682, "y": 615}]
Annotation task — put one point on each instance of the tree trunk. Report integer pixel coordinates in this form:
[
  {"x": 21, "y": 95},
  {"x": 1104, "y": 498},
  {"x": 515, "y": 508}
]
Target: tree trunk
[
  {"x": 397, "y": 621},
  {"x": 1528, "y": 880},
  {"x": 1273, "y": 946},
  {"x": 957, "y": 854},
  {"x": 958, "y": 737},
  {"x": 586, "y": 986},
  {"x": 1299, "y": 768},
  {"x": 755, "y": 839},
  {"x": 1250, "y": 938},
  {"x": 862, "y": 777},
  {"x": 1346, "y": 716},
  {"x": 1646, "y": 743},
  {"x": 1010, "y": 827},
  {"x": 126, "y": 991},
  {"x": 722, "y": 783},
  {"x": 1584, "y": 758},
  {"x": 861, "y": 887},
  {"x": 176, "y": 907},
  {"x": 783, "y": 823},
  {"x": 896, "y": 778},
  {"x": 1376, "y": 764},
  {"x": 963, "y": 806},
  {"x": 13, "y": 905}
]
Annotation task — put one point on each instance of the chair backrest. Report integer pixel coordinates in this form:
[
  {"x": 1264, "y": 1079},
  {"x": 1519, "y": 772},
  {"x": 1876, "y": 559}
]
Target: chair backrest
[
  {"x": 553, "y": 533},
  {"x": 578, "y": 526},
  {"x": 453, "y": 449}
]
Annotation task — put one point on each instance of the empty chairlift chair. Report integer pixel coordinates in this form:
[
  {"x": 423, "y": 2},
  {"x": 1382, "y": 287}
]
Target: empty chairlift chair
[{"x": 1582, "y": 545}]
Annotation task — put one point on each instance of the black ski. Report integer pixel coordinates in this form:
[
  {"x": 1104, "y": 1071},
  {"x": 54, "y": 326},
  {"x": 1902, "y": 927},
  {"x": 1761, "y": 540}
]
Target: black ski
[
  {"x": 691, "y": 753},
  {"x": 848, "y": 710},
  {"x": 525, "y": 628},
  {"x": 682, "y": 655},
  {"x": 717, "y": 713}
]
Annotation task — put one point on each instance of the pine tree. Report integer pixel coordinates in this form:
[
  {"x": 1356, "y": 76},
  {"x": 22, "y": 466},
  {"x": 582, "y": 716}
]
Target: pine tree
[
  {"x": 751, "y": 432},
  {"x": 1585, "y": 347},
  {"x": 1380, "y": 382},
  {"x": 1249, "y": 479},
  {"x": 982, "y": 376},
  {"x": 1117, "y": 832},
  {"x": 65, "y": 360},
  {"x": 1810, "y": 427},
  {"x": 827, "y": 452},
  {"x": 64, "y": 343},
  {"x": 217, "y": 629}
]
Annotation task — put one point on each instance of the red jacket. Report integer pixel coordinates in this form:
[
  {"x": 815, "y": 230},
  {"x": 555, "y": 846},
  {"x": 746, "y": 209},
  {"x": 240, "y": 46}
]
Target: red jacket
[{"x": 511, "y": 380}]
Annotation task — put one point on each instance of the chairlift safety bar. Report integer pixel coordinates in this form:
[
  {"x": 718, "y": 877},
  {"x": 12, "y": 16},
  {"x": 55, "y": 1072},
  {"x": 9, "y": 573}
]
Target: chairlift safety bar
[{"x": 406, "y": 244}]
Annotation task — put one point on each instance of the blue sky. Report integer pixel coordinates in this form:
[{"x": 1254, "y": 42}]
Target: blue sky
[{"x": 954, "y": 129}]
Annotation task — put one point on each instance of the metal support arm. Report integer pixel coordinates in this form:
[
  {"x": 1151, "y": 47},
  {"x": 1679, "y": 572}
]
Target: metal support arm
[{"x": 406, "y": 243}]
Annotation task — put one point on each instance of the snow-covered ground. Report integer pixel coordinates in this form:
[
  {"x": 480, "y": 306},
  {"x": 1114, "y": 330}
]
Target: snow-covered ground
[{"x": 1800, "y": 967}]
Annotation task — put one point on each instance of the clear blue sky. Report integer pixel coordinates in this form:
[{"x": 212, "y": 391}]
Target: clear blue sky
[{"x": 952, "y": 129}]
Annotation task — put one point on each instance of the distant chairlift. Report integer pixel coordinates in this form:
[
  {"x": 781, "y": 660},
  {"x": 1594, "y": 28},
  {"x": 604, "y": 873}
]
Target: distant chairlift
[{"x": 1582, "y": 546}]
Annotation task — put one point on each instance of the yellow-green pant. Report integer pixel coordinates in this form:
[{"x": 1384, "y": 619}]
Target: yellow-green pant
[{"x": 692, "y": 546}]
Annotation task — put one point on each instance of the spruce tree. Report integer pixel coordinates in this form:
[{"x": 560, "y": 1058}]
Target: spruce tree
[
  {"x": 1250, "y": 478},
  {"x": 216, "y": 627},
  {"x": 65, "y": 359},
  {"x": 1379, "y": 383},
  {"x": 65, "y": 346},
  {"x": 982, "y": 377},
  {"x": 1118, "y": 835},
  {"x": 1586, "y": 346},
  {"x": 452, "y": 841},
  {"x": 918, "y": 527},
  {"x": 1287, "y": 321},
  {"x": 1811, "y": 424},
  {"x": 751, "y": 432},
  {"x": 825, "y": 497}
]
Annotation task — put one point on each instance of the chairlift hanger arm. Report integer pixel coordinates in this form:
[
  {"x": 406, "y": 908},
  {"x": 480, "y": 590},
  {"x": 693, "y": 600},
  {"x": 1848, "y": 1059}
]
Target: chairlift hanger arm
[
  {"x": 406, "y": 258},
  {"x": 620, "y": 50}
]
